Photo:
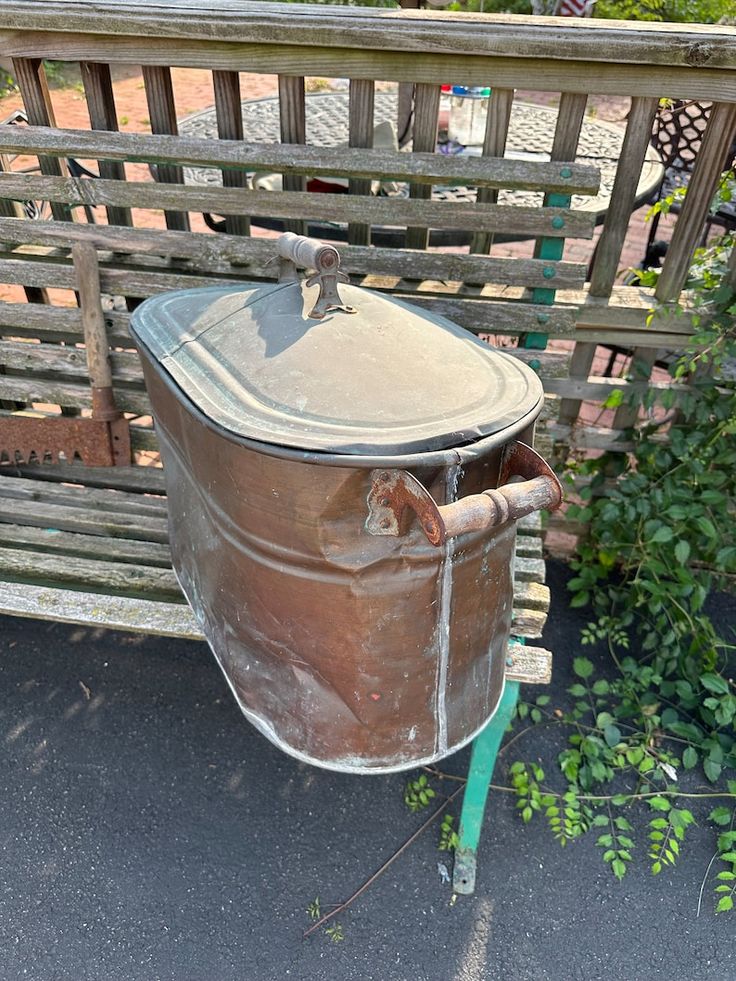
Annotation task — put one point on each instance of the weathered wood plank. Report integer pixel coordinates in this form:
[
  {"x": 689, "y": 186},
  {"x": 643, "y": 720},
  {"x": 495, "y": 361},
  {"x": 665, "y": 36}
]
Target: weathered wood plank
[
  {"x": 98, "y": 91},
  {"x": 162, "y": 110},
  {"x": 590, "y": 437},
  {"x": 143, "y": 438},
  {"x": 642, "y": 362},
  {"x": 522, "y": 221},
  {"x": 424, "y": 134},
  {"x": 494, "y": 147},
  {"x": 88, "y": 521},
  {"x": 97, "y": 575},
  {"x": 86, "y": 497},
  {"x": 580, "y": 367},
  {"x": 230, "y": 127},
  {"x": 528, "y": 665},
  {"x": 57, "y": 323},
  {"x": 28, "y": 388},
  {"x": 155, "y": 582},
  {"x": 293, "y": 119},
  {"x": 51, "y": 541},
  {"x": 295, "y": 159},
  {"x": 636, "y": 141},
  {"x": 360, "y": 134},
  {"x": 133, "y": 479},
  {"x": 550, "y": 75},
  {"x": 117, "y": 280},
  {"x": 485, "y": 316},
  {"x": 218, "y": 254},
  {"x": 68, "y": 361},
  {"x": 439, "y": 32},
  {"x": 31, "y": 79},
  {"x": 596, "y": 388},
  {"x": 170, "y": 619},
  {"x": 529, "y": 569},
  {"x": 713, "y": 157}
]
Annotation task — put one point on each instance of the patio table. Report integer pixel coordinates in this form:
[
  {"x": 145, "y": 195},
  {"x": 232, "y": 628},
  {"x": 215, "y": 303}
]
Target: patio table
[{"x": 531, "y": 130}]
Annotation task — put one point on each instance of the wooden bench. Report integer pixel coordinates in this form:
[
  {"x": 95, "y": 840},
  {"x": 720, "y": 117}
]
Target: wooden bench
[{"x": 110, "y": 529}]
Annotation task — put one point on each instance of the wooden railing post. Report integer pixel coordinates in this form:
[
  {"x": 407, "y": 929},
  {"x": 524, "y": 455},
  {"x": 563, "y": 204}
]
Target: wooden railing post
[
  {"x": 162, "y": 110},
  {"x": 710, "y": 162},
  {"x": 293, "y": 117},
  {"x": 494, "y": 145},
  {"x": 31, "y": 79},
  {"x": 361, "y": 124},
  {"x": 230, "y": 127},
  {"x": 98, "y": 92}
]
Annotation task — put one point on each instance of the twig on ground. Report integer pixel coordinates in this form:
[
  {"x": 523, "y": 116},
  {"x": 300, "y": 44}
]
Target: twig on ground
[{"x": 358, "y": 892}]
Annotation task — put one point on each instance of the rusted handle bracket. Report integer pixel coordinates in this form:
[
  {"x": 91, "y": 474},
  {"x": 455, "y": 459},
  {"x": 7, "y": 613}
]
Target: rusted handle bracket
[
  {"x": 393, "y": 491},
  {"x": 310, "y": 253}
]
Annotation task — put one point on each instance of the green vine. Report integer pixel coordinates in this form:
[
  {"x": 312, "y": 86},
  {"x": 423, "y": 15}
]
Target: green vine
[{"x": 661, "y": 535}]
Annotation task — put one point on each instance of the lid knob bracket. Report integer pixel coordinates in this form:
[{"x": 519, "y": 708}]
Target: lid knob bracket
[{"x": 309, "y": 253}]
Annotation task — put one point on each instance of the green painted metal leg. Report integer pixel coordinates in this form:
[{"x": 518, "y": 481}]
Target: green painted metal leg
[{"x": 482, "y": 762}]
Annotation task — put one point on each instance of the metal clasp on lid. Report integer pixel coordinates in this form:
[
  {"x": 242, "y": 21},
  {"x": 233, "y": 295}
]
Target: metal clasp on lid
[{"x": 309, "y": 253}]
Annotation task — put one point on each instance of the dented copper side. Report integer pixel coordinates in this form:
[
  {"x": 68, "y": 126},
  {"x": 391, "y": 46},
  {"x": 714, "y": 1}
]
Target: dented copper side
[{"x": 351, "y": 650}]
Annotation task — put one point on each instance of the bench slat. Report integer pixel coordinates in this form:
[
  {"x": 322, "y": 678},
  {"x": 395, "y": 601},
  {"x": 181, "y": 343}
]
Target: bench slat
[
  {"x": 27, "y": 388},
  {"x": 69, "y": 361},
  {"x": 131, "y": 281},
  {"x": 97, "y": 575},
  {"x": 143, "y": 480},
  {"x": 509, "y": 219},
  {"x": 113, "y": 612},
  {"x": 219, "y": 253},
  {"x": 142, "y": 615},
  {"x": 87, "y": 497},
  {"x": 67, "y": 517},
  {"x": 293, "y": 158},
  {"x": 55, "y": 542}
]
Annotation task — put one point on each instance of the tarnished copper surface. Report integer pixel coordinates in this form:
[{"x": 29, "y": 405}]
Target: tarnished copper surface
[
  {"x": 349, "y": 651},
  {"x": 314, "y": 469}
]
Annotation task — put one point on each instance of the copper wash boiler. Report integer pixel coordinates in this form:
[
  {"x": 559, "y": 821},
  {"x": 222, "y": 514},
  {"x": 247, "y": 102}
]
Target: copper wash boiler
[{"x": 344, "y": 473}]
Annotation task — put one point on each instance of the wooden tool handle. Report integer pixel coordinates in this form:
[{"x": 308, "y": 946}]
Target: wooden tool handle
[{"x": 93, "y": 319}]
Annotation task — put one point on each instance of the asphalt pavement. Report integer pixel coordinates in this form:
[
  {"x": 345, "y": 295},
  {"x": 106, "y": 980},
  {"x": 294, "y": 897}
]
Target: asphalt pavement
[{"x": 148, "y": 832}]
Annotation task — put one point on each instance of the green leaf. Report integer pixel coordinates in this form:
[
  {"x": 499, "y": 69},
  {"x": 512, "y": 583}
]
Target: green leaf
[
  {"x": 712, "y": 770},
  {"x": 612, "y": 735},
  {"x": 618, "y": 868},
  {"x": 682, "y": 552},
  {"x": 714, "y": 683},
  {"x": 663, "y": 534},
  {"x": 580, "y": 599},
  {"x": 720, "y": 815},
  {"x": 707, "y": 527},
  {"x": 725, "y": 903},
  {"x": 582, "y": 667},
  {"x": 689, "y": 758}
]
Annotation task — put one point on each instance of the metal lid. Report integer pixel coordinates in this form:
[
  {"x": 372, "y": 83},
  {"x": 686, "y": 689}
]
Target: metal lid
[{"x": 389, "y": 379}]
